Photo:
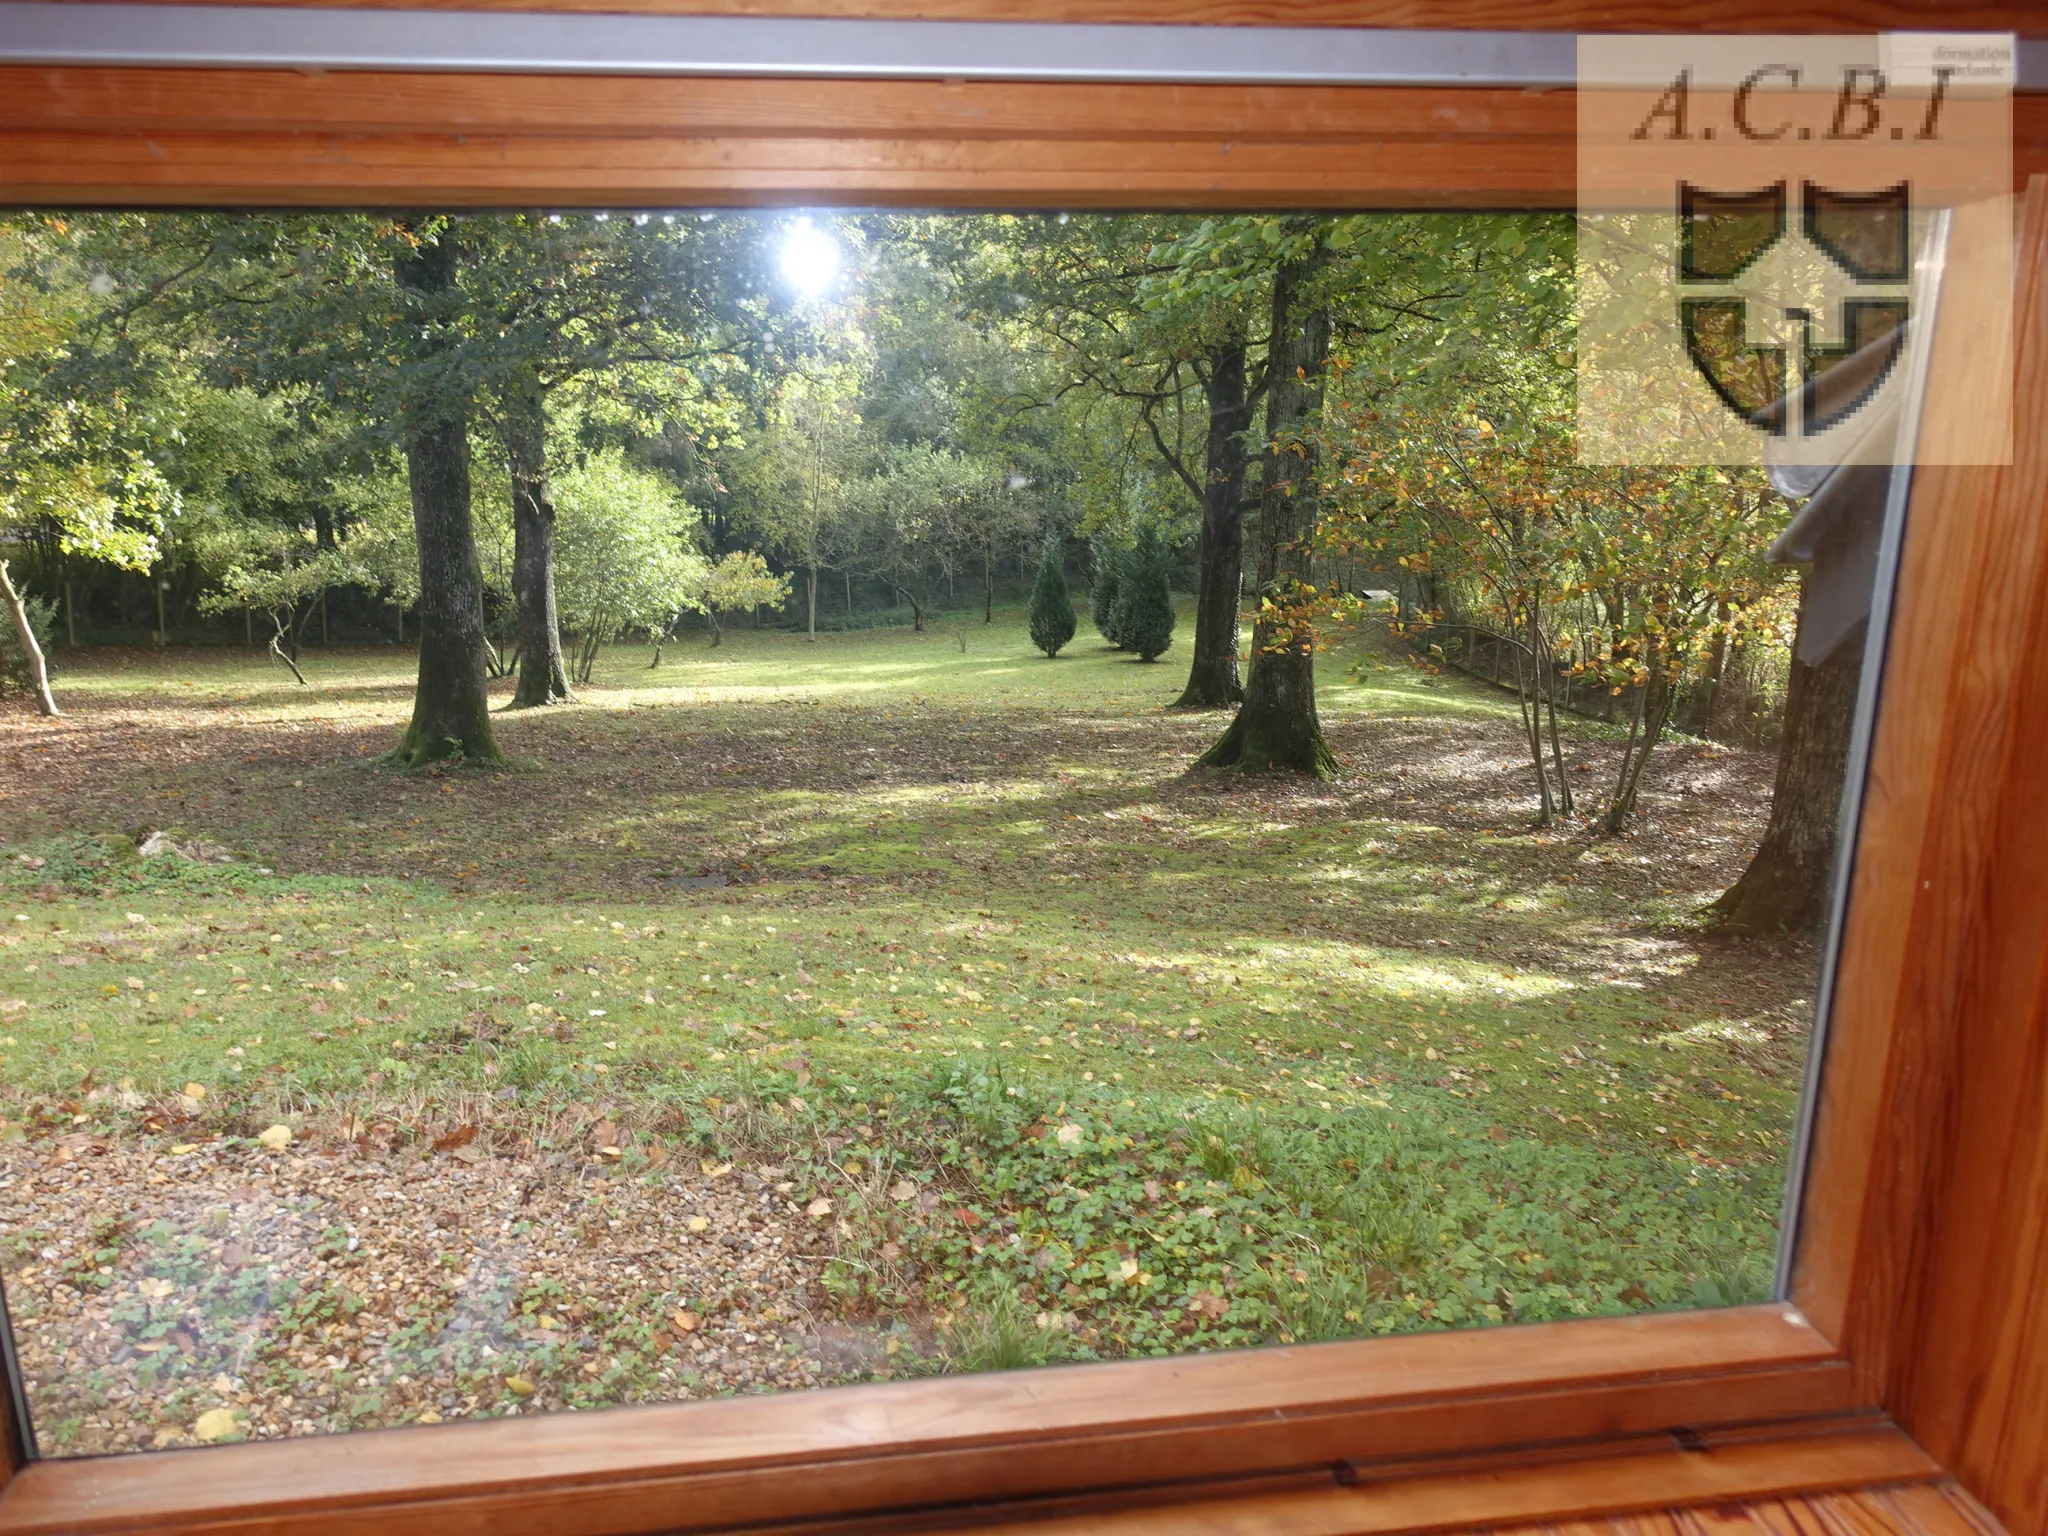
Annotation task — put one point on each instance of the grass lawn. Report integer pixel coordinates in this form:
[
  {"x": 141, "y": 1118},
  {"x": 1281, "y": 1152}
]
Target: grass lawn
[{"x": 798, "y": 1014}]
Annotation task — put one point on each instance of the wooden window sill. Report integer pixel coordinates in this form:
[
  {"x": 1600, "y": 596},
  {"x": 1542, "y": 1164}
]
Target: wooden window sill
[{"x": 1128, "y": 1428}]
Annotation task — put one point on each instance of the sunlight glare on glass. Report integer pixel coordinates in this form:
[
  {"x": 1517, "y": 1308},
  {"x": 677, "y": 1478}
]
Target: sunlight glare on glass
[{"x": 810, "y": 259}]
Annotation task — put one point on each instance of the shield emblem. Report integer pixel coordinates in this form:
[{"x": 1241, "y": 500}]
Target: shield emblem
[{"x": 1735, "y": 258}]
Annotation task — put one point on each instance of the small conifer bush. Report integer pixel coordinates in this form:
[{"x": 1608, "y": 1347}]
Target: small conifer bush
[
  {"x": 1102, "y": 596},
  {"x": 1144, "y": 610},
  {"x": 1052, "y": 606}
]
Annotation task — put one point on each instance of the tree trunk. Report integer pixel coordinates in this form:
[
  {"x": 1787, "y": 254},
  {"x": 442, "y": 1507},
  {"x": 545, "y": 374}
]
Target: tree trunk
[
  {"x": 70, "y": 612},
  {"x": 1528, "y": 682},
  {"x": 1704, "y": 703},
  {"x": 988, "y": 590},
  {"x": 813, "y": 621},
  {"x": 543, "y": 677},
  {"x": 451, "y": 713},
  {"x": 277, "y": 650},
  {"x": 916, "y": 609},
  {"x": 1789, "y": 878},
  {"x": 1213, "y": 680},
  {"x": 1276, "y": 726},
  {"x": 38, "y": 670}
]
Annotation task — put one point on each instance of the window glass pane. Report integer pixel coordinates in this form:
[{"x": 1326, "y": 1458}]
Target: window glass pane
[{"x": 655, "y": 805}]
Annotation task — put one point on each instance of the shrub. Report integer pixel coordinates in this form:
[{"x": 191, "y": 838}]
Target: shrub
[
  {"x": 1102, "y": 594},
  {"x": 1144, "y": 607},
  {"x": 626, "y": 559},
  {"x": 1052, "y": 606}
]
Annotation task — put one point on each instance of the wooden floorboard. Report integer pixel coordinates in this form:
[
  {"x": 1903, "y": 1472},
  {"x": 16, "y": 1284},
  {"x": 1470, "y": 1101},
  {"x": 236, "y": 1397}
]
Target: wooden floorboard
[
  {"x": 1910, "y": 1509},
  {"x": 1851, "y": 1478}
]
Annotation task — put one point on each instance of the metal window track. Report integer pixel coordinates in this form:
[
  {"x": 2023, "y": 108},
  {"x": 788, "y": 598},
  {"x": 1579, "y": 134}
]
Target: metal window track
[{"x": 528, "y": 42}]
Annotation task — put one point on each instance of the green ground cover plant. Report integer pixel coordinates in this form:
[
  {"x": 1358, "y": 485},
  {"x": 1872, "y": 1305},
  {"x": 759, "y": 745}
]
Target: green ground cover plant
[{"x": 1033, "y": 1046}]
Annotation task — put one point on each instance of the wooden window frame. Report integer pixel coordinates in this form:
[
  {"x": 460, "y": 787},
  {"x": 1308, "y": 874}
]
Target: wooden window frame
[{"x": 1907, "y": 1349}]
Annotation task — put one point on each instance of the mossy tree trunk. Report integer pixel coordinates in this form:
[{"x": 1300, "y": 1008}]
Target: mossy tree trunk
[
  {"x": 543, "y": 676},
  {"x": 1786, "y": 886},
  {"x": 1213, "y": 678},
  {"x": 451, "y": 714},
  {"x": 1276, "y": 726}
]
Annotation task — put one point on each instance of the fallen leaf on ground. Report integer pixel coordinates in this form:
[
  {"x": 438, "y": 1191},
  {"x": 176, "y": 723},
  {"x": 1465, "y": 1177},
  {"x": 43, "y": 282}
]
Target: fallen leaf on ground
[
  {"x": 214, "y": 1424},
  {"x": 277, "y": 1138}
]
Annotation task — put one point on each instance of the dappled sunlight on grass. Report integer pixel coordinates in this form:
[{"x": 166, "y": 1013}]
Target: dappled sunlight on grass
[{"x": 891, "y": 893}]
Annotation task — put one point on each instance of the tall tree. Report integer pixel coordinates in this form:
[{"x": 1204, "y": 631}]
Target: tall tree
[
  {"x": 919, "y": 517},
  {"x": 1126, "y": 326},
  {"x": 1789, "y": 878},
  {"x": 788, "y": 477},
  {"x": 1277, "y": 726},
  {"x": 669, "y": 313},
  {"x": 1213, "y": 679},
  {"x": 368, "y": 315},
  {"x": 543, "y": 676},
  {"x": 451, "y": 711},
  {"x": 1379, "y": 282},
  {"x": 1786, "y": 884},
  {"x": 77, "y": 475}
]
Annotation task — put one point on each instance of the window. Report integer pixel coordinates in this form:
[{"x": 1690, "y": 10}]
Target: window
[{"x": 1742, "y": 1365}]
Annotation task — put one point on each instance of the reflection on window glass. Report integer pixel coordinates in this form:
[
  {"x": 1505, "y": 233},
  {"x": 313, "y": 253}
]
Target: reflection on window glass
[{"x": 664, "y": 805}]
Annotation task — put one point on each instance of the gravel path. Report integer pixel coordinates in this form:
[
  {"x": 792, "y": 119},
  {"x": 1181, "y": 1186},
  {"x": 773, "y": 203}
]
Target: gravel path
[{"x": 164, "y": 1293}]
